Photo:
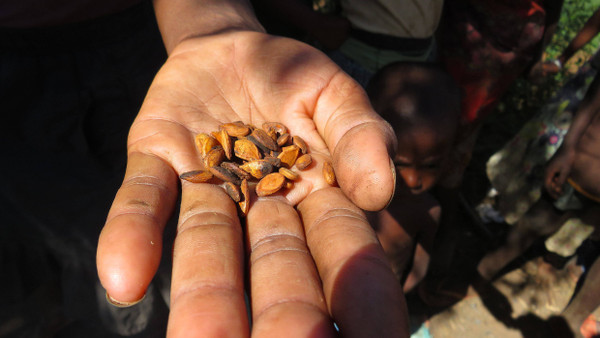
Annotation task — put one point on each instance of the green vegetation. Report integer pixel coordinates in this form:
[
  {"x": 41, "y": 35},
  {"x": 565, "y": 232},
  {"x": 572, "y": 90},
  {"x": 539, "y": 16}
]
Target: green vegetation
[{"x": 524, "y": 99}]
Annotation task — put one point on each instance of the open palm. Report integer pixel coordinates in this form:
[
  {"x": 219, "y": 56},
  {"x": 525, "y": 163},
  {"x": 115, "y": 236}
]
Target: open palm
[{"x": 308, "y": 255}]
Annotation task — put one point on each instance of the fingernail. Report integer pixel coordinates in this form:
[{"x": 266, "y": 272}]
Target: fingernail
[
  {"x": 123, "y": 304},
  {"x": 393, "y": 168}
]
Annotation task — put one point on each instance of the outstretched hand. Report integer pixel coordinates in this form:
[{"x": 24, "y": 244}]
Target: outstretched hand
[{"x": 309, "y": 255}]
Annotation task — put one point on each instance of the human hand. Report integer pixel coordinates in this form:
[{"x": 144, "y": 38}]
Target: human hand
[
  {"x": 309, "y": 253},
  {"x": 558, "y": 170},
  {"x": 542, "y": 70}
]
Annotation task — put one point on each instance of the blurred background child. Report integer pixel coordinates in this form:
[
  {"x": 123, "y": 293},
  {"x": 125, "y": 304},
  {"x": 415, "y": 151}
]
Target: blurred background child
[{"x": 422, "y": 103}]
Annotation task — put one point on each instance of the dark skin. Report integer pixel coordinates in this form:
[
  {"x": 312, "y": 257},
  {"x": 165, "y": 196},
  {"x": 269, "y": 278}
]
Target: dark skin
[
  {"x": 578, "y": 156},
  {"x": 425, "y": 133},
  {"x": 407, "y": 227},
  {"x": 589, "y": 30}
]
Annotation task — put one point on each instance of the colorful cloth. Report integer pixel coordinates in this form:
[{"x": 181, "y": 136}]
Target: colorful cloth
[{"x": 487, "y": 45}]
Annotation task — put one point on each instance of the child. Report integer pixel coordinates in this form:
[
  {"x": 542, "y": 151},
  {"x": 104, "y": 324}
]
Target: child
[
  {"x": 422, "y": 104},
  {"x": 573, "y": 190}
]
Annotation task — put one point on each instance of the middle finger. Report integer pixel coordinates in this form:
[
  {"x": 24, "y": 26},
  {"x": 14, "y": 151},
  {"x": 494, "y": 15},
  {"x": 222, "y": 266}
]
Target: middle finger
[
  {"x": 207, "y": 292},
  {"x": 285, "y": 287}
]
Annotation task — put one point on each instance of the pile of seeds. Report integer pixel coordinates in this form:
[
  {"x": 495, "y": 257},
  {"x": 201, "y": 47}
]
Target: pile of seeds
[{"x": 242, "y": 156}]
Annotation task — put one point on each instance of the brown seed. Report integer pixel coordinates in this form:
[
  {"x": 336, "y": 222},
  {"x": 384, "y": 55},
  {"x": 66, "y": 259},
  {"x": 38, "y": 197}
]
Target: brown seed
[
  {"x": 236, "y": 129},
  {"x": 246, "y": 150},
  {"x": 214, "y": 157},
  {"x": 270, "y": 184},
  {"x": 288, "y": 155},
  {"x": 233, "y": 191},
  {"x": 258, "y": 168},
  {"x": 273, "y": 160},
  {"x": 196, "y": 176},
  {"x": 289, "y": 174},
  {"x": 225, "y": 142},
  {"x": 289, "y": 184},
  {"x": 275, "y": 127},
  {"x": 273, "y": 135},
  {"x": 283, "y": 139},
  {"x": 297, "y": 140},
  {"x": 263, "y": 139},
  {"x": 205, "y": 143},
  {"x": 303, "y": 161},
  {"x": 235, "y": 168},
  {"x": 245, "y": 202},
  {"x": 328, "y": 173},
  {"x": 224, "y": 174}
]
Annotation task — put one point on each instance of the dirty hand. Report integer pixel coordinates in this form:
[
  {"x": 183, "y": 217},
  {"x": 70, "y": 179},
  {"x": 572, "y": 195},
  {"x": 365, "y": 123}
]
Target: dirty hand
[{"x": 309, "y": 254}]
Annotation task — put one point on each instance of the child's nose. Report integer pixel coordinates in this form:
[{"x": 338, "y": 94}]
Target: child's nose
[{"x": 412, "y": 179}]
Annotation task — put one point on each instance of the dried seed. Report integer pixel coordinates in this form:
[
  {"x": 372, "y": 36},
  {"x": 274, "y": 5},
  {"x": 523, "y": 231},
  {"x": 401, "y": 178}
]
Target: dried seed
[
  {"x": 236, "y": 129},
  {"x": 283, "y": 139},
  {"x": 246, "y": 150},
  {"x": 245, "y": 203},
  {"x": 328, "y": 173},
  {"x": 272, "y": 134},
  {"x": 263, "y": 139},
  {"x": 235, "y": 168},
  {"x": 214, "y": 157},
  {"x": 224, "y": 174},
  {"x": 297, "y": 140},
  {"x": 225, "y": 142},
  {"x": 275, "y": 126},
  {"x": 273, "y": 160},
  {"x": 270, "y": 184},
  {"x": 303, "y": 161},
  {"x": 205, "y": 143},
  {"x": 289, "y": 174},
  {"x": 288, "y": 155},
  {"x": 196, "y": 176},
  {"x": 233, "y": 191},
  {"x": 258, "y": 168}
]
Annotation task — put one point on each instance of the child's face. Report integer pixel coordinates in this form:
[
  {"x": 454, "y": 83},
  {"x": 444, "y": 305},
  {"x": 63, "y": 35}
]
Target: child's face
[{"x": 420, "y": 158}]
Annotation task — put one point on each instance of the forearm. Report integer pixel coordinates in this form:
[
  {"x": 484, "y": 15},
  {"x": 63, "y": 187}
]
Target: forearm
[
  {"x": 587, "y": 33},
  {"x": 418, "y": 270},
  {"x": 553, "y": 9},
  {"x": 179, "y": 20}
]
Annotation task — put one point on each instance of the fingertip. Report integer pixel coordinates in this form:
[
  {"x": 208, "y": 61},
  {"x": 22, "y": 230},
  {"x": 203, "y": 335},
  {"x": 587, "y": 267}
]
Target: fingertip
[
  {"x": 364, "y": 168},
  {"x": 127, "y": 259}
]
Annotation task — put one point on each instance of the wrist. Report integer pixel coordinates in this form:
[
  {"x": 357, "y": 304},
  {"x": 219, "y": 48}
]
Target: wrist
[{"x": 181, "y": 20}]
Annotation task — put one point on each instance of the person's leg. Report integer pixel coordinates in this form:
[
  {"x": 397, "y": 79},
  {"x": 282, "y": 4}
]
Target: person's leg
[{"x": 541, "y": 220}]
